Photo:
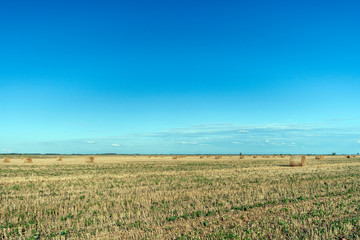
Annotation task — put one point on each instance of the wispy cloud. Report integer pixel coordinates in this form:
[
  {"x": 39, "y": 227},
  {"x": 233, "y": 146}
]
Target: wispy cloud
[
  {"x": 218, "y": 138},
  {"x": 188, "y": 143},
  {"x": 6, "y": 150},
  {"x": 243, "y": 131}
]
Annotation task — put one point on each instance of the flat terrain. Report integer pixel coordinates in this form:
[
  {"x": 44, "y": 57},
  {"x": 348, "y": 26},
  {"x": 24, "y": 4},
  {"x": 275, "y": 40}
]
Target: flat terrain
[{"x": 127, "y": 197}]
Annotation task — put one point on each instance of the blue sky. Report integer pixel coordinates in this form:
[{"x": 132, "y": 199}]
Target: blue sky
[{"x": 180, "y": 76}]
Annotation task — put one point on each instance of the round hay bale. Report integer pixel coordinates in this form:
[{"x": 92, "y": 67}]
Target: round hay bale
[
  {"x": 303, "y": 160},
  {"x": 6, "y": 160},
  {"x": 91, "y": 159},
  {"x": 28, "y": 160},
  {"x": 59, "y": 159},
  {"x": 297, "y": 160}
]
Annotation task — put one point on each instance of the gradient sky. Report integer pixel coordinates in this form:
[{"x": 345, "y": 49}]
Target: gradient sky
[{"x": 179, "y": 76}]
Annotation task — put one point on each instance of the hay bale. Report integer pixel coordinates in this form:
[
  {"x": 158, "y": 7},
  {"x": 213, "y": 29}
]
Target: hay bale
[
  {"x": 202, "y": 156},
  {"x": 242, "y": 157},
  {"x": 59, "y": 159},
  {"x": 297, "y": 161},
  {"x": 6, "y": 160},
  {"x": 28, "y": 160},
  {"x": 303, "y": 160},
  {"x": 255, "y": 156},
  {"x": 218, "y": 157},
  {"x": 319, "y": 157},
  {"x": 91, "y": 159},
  {"x": 174, "y": 157}
]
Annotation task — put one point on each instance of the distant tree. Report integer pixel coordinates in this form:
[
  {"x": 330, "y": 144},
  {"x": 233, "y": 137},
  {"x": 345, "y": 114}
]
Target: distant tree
[{"x": 334, "y": 153}]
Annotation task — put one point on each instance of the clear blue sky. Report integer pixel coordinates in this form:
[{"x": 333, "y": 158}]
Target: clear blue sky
[{"x": 180, "y": 76}]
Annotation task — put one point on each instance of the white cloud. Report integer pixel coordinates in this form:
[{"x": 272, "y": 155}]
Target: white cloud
[
  {"x": 236, "y": 142},
  {"x": 115, "y": 145},
  {"x": 358, "y": 141},
  {"x": 267, "y": 140},
  {"x": 188, "y": 142},
  {"x": 91, "y": 142},
  {"x": 243, "y": 131}
]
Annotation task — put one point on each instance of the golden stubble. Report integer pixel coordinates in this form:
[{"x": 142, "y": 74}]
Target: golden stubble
[{"x": 134, "y": 197}]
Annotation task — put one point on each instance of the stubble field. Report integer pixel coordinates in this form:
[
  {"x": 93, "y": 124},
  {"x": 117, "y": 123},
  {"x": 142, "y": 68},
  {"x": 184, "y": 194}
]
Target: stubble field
[{"x": 127, "y": 197}]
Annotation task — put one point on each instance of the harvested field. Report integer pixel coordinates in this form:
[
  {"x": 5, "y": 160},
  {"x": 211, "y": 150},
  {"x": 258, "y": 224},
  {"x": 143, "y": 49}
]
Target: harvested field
[{"x": 122, "y": 197}]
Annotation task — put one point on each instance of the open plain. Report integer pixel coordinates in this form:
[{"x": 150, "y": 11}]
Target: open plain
[{"x": 190, "y": 197}]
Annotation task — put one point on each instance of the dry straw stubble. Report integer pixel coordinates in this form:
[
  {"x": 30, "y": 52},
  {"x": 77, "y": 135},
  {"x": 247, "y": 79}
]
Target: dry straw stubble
[{"x": 203, "y": 198}]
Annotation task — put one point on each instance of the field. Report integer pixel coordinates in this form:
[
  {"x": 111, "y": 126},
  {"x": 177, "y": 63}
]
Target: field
[{"x": 142, "y": 197}]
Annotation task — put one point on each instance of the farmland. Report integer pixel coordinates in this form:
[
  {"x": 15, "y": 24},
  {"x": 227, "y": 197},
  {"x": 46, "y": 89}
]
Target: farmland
[{"x": 192, "y": 197}]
